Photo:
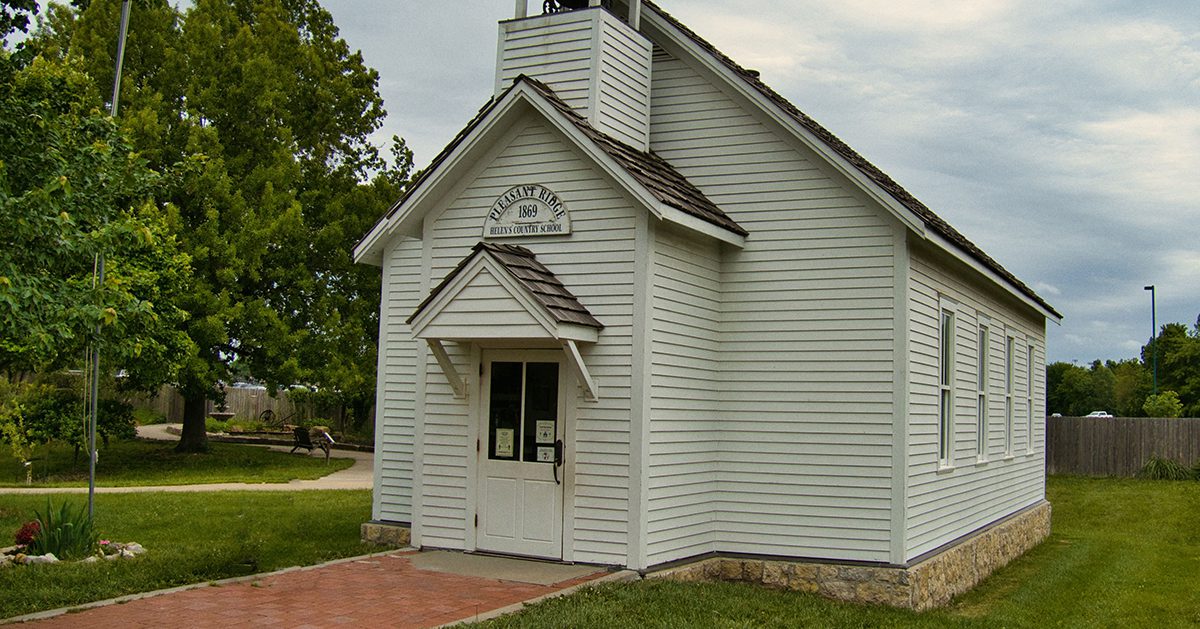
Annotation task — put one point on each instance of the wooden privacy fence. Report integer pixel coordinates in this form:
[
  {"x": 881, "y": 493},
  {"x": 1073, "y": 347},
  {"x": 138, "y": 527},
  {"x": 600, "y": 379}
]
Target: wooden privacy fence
[
  {"x": 1118, "y": 446},
  {"x": 243, "y": 403}
]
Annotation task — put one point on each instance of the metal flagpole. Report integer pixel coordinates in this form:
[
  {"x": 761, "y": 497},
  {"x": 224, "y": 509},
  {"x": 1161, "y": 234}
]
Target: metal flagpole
[{"x": 116, "y": 99}]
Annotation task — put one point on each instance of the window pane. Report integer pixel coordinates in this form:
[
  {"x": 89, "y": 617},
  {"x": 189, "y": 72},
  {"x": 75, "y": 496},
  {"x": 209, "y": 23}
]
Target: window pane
[
  {"x": 541, "y": 411},
  {"x": 947, "y": 345},
  {"x": 944, "y": 441},
  {"x": 504, "y": 423},
  {"x": 983, "y": 358}
]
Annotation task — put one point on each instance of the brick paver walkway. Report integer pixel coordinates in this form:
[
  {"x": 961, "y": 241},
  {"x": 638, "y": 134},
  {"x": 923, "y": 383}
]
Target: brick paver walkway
[{"x": 380, "y": 591}]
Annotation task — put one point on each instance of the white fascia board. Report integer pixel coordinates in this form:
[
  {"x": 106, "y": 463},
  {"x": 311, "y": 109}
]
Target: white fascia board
[
  {"x": 960, "y": 255},
  {"x": 577, "y": 333},
  {"x": 683, "y": 219},
  {"x": 869, "y": 187}
]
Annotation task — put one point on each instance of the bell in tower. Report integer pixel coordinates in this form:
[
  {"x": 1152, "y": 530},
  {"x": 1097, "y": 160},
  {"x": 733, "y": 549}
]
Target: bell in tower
[{"x": 556, "y": 6}]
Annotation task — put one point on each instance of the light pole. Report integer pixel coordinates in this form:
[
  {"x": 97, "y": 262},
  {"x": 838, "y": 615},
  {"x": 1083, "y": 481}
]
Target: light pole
[
  {"x": 1154, "y": 333},
  {"x": 93, "y": 410}
]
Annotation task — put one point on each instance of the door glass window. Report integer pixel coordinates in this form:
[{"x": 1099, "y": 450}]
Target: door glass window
[
  {"x": 504, "y": 421},
  {"x": 541, "y": 411},
  {"x": 523, "y": 412}
]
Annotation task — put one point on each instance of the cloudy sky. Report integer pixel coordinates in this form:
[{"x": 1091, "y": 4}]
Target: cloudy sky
[{"x": 1062, "y": 137}]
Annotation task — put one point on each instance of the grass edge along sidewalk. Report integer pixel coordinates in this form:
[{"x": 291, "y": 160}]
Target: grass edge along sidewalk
[{"x": 141, "y": 463}]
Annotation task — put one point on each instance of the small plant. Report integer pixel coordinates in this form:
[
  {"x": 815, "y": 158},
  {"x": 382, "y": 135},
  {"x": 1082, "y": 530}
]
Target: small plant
[
  {"x": 1160, "y": 468},
  {"x": 68, "y": 534},
  {"x": 27, "y": 533}
]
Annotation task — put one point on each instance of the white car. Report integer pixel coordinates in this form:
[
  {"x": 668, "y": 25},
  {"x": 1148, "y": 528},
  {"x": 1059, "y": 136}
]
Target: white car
[{"x": 1098, "y": 414}]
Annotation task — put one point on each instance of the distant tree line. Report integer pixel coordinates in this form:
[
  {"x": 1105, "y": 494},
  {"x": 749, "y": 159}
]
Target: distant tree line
[{"x": 1126, "y": 388}]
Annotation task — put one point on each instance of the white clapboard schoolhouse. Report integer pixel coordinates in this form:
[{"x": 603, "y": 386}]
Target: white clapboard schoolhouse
[{"x": 644, "y": 312}]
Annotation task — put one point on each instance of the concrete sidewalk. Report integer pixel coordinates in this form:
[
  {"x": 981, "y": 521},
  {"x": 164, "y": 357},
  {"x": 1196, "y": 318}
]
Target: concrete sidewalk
[
  {"x": 396, "y": 589},
  {"x": 358, "y": 476}
]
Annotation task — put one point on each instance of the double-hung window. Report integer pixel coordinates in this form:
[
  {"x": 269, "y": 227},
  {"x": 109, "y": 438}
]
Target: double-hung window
[
  {"x": 1029, "y": 362},
  {"x": 981, "y": 418},
  {"x": 946, "y": 384},
  {"x": 1010, "y": 370}
]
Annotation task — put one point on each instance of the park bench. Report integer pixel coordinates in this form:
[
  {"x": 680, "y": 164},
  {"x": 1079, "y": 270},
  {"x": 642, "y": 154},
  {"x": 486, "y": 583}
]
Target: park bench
[{"x": 303, "y": 438}]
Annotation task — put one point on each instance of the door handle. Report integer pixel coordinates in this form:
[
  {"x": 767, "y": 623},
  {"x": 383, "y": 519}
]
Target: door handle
[{"x": 558, "y": 460}]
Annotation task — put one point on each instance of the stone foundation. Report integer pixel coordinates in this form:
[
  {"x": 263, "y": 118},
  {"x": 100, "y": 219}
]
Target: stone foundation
[
  {"x": 386, "y": 534},
  {"x": 931, "y": 583}
]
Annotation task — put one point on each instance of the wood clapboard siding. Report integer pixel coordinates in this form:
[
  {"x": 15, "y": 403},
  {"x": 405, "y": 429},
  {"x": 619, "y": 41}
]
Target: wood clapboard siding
[
  {"x": 558, "y": 54},
  {"x": 596, "y": 264},
  {"x": 806, "y": 356},
  {"x": 484, "y": 297},
  {"x": 944, "y": 505},
  {"x": 684, "y": 444},
  {"x": 396, "y": 420},
  {"x": 593, "y": 61},
  {"x": 623, "y": 102}
]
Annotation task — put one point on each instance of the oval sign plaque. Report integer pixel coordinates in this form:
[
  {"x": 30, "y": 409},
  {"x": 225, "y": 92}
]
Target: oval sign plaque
[{"x": 529, "y": 210}]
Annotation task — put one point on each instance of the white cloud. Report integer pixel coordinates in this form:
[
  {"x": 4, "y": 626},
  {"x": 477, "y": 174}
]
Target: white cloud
[{"x": 1046, "y": 289}]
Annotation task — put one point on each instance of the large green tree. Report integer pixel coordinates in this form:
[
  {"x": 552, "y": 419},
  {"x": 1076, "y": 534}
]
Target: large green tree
[
  {"x": 71, "y": 189},
  {"x": 1178, "y": 363},
  {"x": 263, "y": 114}
]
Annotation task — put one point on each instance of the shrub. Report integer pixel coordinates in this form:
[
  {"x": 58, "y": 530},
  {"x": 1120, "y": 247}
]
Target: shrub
[
  {"x": 27, "y": 532},
  {"x": 1159, "y": 468},
  {"x": 1165, "y": 404},
  {"x": 68, "y": 534}
]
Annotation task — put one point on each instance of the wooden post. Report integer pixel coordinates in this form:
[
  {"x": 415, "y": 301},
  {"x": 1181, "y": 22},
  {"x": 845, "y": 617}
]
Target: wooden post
[
  {"x": 593, "y": 3},
  {"x": 522, "y": 9},
  {"x": 635, "y": 14}
]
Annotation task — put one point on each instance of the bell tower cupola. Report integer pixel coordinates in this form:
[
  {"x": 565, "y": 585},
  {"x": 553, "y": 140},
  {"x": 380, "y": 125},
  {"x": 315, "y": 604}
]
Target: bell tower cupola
[{"x": 591, "y": 54}]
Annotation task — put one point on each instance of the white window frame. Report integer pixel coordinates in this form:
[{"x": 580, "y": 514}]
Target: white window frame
[
  {"x": 947, "y": 331},
  {"x": 983, "y": 340},
  {"x": 1010, "y": 373},
  {"x": 1031, "y": 351}
]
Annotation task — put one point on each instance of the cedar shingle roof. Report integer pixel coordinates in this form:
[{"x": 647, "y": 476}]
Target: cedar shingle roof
[
  {"x": 650, "y": 170},
  {"x": 520, "y": 262},
  {"x": 927, "y": 216}
]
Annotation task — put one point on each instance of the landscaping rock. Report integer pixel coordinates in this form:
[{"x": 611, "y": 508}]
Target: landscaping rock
[
  {"x": 92, "y": 559},
  {"x": 36, "y": 559}
]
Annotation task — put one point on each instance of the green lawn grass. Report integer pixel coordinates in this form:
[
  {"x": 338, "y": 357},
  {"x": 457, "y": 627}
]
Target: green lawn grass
[
  {"x": 190, "y": 538},
  {"x": 1124, "y": 553},
  {"x": 141, "y": 463}
]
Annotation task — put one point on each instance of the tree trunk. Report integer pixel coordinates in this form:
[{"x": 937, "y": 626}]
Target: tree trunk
[{"x": 194, "y": 437}]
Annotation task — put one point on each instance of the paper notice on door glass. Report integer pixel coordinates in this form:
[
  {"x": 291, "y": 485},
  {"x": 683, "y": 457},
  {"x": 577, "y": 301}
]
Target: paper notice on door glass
[
  {"x": 505, "y": 438},
  {"x": 546, "y": 455},
  {"x": 545, "y": 431}
]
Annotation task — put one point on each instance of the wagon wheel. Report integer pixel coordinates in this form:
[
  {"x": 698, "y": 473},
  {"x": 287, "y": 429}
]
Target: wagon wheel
[{"x": 267, "y": 417}]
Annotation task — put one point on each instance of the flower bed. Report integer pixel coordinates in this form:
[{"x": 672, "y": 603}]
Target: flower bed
[{"x": 109, "y": 551}]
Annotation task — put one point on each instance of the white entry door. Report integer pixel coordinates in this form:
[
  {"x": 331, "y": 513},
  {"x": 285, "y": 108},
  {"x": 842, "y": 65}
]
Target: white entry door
[{"x": 521, "y": 453}]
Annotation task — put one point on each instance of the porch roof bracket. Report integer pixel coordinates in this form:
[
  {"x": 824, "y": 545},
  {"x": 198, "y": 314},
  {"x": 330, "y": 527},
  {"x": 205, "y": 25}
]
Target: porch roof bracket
[
  {"x": 590, "y": 391},
  {"x": 447, "y": 365}
]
